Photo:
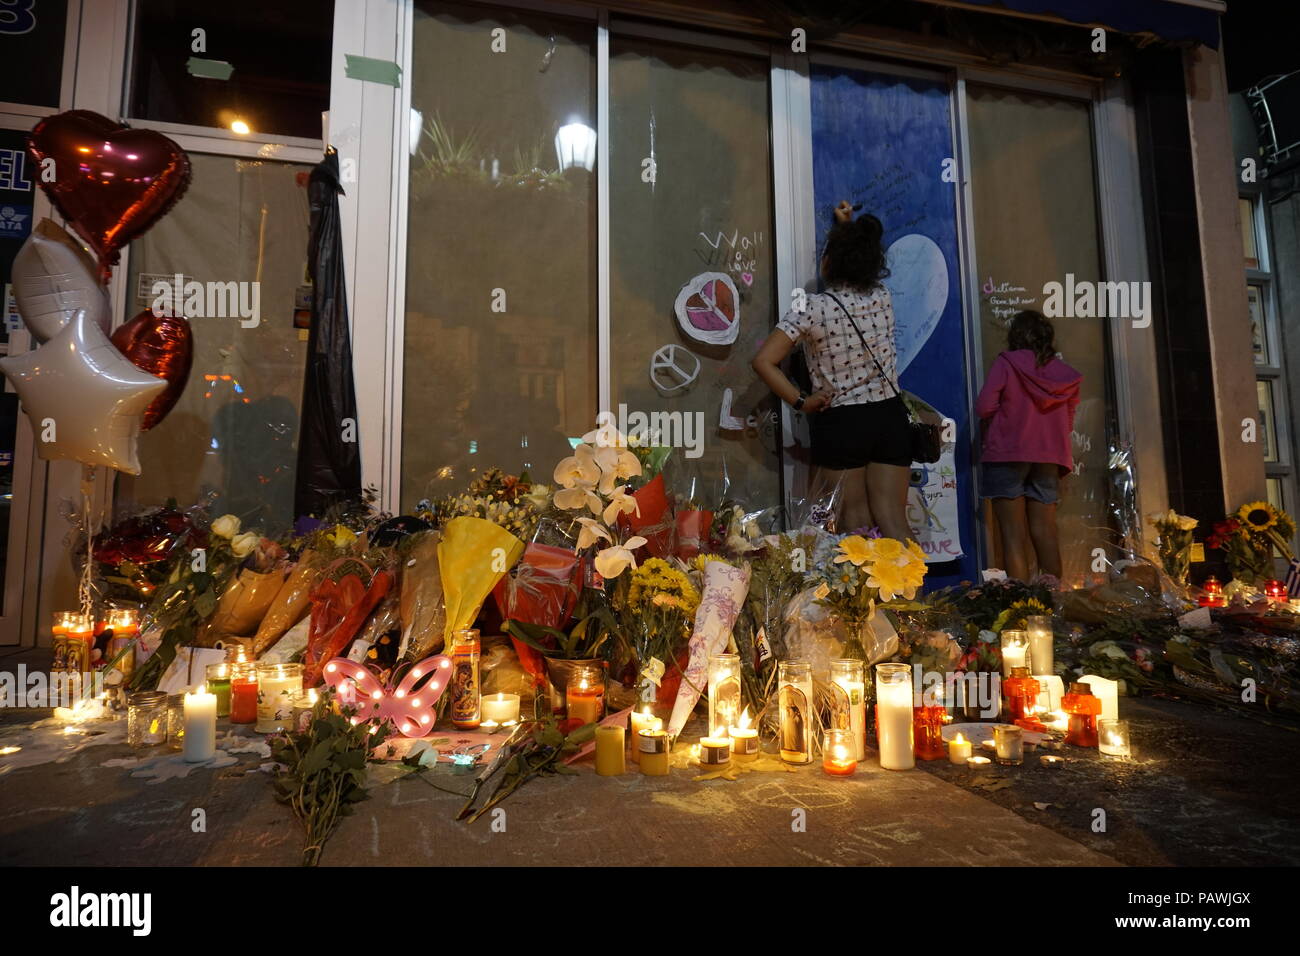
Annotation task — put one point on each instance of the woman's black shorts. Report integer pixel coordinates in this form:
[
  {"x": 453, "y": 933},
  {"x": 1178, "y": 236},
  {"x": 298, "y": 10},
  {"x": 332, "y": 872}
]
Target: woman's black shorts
[{"x": 850, "y": 436}]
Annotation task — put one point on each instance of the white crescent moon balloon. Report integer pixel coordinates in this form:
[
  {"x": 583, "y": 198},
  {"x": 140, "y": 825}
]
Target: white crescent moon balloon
[{"x": 54, "y": 279}]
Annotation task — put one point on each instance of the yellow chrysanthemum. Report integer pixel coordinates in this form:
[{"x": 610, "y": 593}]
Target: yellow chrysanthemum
[{"x": 1259, "y": 516}]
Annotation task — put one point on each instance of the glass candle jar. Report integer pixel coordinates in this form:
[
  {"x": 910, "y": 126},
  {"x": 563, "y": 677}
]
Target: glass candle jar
[
  {"x": 795, "y": 695},
  {"x": 1038, "y": 630},
  {"x": 217, "y": 677},
  {"x": 585, "y": 693},
  {"x": 304, "y": 707},
  {"x": 927, "y": 732},
  {"x": 243, "y": 693},
  {"x": 465, "y": 689},
  {"x": 146, "y": 719},
  {"x": 1084, "y": 710},
  {"x": 1112, "y": 738},
  {"x": 724, "y": 693},
  {"x": 175, "y": 721},
  {"x": 838, "y": 754},
  {"x": 894, "y": 728},
  {"x": 1015, "y": 651},
  {"x": 849, "y": 702},
  {"x": 277, "y": 686},
  {"x": 652, "y": 748},
  {"x": 1009, "y": 744}
]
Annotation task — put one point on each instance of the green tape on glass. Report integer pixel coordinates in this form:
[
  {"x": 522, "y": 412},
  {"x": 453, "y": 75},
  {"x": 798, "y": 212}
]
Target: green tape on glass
[
  {"x": 373, "y": 71},
  {"x": 209, "y": 69}
]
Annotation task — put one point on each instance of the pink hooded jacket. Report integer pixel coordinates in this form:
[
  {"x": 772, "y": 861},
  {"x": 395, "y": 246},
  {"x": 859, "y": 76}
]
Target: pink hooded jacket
[{"x": 1030, "y": 409}]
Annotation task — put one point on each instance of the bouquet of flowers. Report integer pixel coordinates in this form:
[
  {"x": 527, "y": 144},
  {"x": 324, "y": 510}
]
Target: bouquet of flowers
[
  {"x": 594, "y": 478},
  {"x": 513, "y": 502},
  {"x": 1247, "y": 539},
  {"x": 656, "y": 609},
  {"x": 1175, "y": 542},
  {"x": 865, "y": 572}
]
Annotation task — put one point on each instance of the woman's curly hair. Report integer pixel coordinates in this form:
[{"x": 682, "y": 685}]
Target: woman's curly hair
[
  {"x": 1033, "y": 331},
  {"x": 854, "y": 254}
]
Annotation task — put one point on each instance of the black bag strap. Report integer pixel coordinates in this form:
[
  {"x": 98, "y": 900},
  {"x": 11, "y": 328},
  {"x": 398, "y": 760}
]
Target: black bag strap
[{"x": 849, "y": 315}]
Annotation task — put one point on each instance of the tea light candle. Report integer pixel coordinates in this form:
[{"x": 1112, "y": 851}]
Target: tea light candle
[
  {"x": 1056, "y": 720},
  {"x": 978, "y": 763},
  {"x": 715, "y": 752},
  {"x": 500, "y": 707},
  {"x": 1051, "y": 762},
  {"x": 1112, "y": 738},
  {"x": 639, "y": 721},
  {"x": 489, "y": 726},
  {"x": 959, "y": 750},
  {"x": 838, "y": 758},
  {"x": 610, "y": 758},
  {"x": 653, "y": 747},
  {"x": 744, "y": 739},
  {"x": 200, "y": 740}
]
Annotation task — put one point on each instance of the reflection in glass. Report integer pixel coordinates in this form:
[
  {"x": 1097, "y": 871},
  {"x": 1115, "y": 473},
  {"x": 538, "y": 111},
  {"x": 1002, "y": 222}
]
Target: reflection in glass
[
  {"x": 691, "y": 193},
  {"x": 500, "y": 336},
  {"x": 1258, "y": 324},
  {"x": 1036, "y": 222},
  {"x": 233, "y": 434},
  {"x": 1267, "y": 424}
]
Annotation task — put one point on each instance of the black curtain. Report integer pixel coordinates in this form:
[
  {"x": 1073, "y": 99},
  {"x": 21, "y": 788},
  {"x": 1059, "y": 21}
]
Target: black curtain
[{"x": 329, "y": 449}]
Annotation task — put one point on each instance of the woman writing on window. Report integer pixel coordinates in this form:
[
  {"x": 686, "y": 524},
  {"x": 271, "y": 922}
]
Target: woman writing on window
[{"x": 857, "y": 420}]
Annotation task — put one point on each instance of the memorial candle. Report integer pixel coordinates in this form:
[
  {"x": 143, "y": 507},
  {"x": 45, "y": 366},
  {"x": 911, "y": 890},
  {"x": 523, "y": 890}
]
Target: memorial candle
[
  {"x": 639, "y": 721},
  {"x": 724, "y": 692},
  {"x": 715, "y": 752},
  {"x": 200, "y": 740},
  {"x": 218, "y": 676},
  {"x": 744, "y": 738},
  {"x": 277, "y": 686},
  {"x": 837, "y": 753},
  {"x": 849, "y": 702},
  {"x": 795, "y": 698},
  {"x": 243, "y": 693},
  {"x": 894, "y": 716},
  {"x": 585, "y": 694},
  {"x": 1106, "y": 691},
  {"x": 1042, "y": 658},
  {"x": 653, "y": 745},
  {"x": 1015, "y": 650},
  {"x": 501, "y": 708},
  {"x": 610, "y": 757},
  {"x": 959, "y": 750}
]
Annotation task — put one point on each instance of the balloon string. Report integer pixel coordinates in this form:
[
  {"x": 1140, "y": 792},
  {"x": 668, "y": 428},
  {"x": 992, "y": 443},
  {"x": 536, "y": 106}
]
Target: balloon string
[{"x": 88, "y": 526}]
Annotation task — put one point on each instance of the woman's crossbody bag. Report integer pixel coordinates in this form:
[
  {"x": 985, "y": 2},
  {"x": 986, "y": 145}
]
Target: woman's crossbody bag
[{"x": 925, "y": 438}]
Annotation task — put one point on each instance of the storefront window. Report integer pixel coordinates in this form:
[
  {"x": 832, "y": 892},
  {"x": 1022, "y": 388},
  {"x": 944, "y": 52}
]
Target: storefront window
[
  {"x": 263, "y": 65},
  {"x": 233, "y": 434},
  {"x": 690, "y": 195},
  {"x": 1035, "y": 216},
  {"x": 499, "y": 366}
]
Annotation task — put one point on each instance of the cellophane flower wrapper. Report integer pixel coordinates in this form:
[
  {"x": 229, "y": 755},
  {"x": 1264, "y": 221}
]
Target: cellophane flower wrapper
[
  {"x": 541, "y": 589},
  {"x": 693, "y": 532},
  {"x": 653, "y": 520},
  {"x": 291, "y": 603},
  {"x": 423, "y": 615},
  {"x": 721, "y": 599},
  {"x": 243, "y": 605},
  {"x": 467, "y": 561}
]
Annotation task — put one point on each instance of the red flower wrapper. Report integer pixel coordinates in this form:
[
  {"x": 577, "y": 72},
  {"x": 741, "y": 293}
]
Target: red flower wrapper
[
  {"x": 541, "y": 589},
  {"x": 693, "y": 532},
  {"x": 655, "y": 520}
]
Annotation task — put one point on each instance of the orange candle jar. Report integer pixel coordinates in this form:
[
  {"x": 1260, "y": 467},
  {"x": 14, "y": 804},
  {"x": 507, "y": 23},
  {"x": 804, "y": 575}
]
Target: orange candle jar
[
  {"x": 585, "y": 694},
  {"x": 1020, "y": 691},
  {"x": 1083, "y": 709},
  {"x": 927, "y": 732},
  {"x": 243, "y": 693}
]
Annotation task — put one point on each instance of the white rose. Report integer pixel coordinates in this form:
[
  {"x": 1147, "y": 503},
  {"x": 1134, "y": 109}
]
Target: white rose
[
  {"x": 243, "y": 544},
  {"x": 227, "y": 526}
]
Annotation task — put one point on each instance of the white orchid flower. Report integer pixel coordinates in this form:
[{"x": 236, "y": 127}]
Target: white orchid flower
[
  {"x": 605, "y": 435},
  {"x": 620, "y": 503},
  {"x": 616, "y": 465},
  {"x": 573, "y": 499},
  {"x": 592, "y": 531},
  {"x": 614, "y": 561},
  {"x": 578, "y": 470}
]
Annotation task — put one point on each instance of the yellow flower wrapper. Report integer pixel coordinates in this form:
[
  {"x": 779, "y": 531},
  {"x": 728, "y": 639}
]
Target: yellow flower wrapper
[{"x": 471, "y": 565}]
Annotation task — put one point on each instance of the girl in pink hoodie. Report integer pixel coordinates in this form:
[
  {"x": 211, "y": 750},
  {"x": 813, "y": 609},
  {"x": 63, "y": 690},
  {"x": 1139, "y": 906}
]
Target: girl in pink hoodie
[{"x": 1026, "y": 409}]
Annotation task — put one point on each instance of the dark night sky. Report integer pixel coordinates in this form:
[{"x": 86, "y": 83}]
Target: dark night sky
[{"x": 1259, "y": 40}]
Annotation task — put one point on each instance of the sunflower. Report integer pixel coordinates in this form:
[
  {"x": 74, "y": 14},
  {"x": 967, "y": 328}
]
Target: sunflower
[{"x": 1258, "y": 516}]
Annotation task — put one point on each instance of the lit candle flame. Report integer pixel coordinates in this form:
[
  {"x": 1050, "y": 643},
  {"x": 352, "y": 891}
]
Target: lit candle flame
[{"x": 743, "y": 723}]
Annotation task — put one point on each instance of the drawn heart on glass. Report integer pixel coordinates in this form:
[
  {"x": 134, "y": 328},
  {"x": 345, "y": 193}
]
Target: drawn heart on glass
[
  {"x": 747, "y": 278},
  {"x": 918, "y": 285},
  {"x": 708, "y": 309}
]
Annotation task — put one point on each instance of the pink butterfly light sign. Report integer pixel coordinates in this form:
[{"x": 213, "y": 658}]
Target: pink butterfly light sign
[{"x": 411, "y": 705}]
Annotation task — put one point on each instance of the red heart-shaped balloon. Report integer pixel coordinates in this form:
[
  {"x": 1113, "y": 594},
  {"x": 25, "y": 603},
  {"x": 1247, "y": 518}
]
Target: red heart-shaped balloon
[
  {"x": 161, "y": 345},
  {"x": 110, "y": 181}
]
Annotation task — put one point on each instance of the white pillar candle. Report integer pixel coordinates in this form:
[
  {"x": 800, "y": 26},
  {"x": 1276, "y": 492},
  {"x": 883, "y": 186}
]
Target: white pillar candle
[
  {"x": 1107, "y": 691},
  {"x": 1051, "y": 690},
  {"x": 200, "y": 741},
  {"x": 500, "y": 707},
  {"x": 894, "y": 716}
]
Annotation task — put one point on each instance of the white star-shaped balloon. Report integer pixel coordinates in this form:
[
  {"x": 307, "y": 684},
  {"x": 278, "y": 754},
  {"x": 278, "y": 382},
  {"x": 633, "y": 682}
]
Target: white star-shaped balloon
[{"x": 84, "y": 398}]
